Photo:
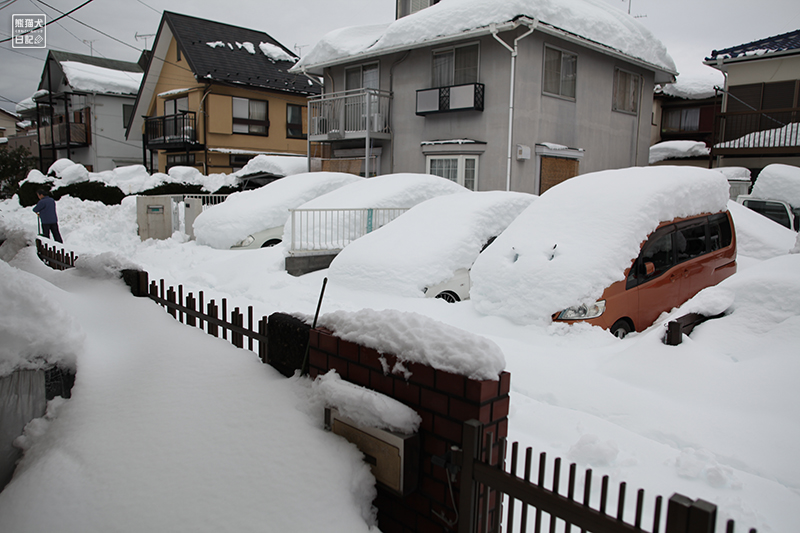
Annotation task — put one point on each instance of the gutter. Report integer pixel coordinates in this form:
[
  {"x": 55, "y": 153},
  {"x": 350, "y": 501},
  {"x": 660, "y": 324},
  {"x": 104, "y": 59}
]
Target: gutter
[{"x": 531, "y": 24}]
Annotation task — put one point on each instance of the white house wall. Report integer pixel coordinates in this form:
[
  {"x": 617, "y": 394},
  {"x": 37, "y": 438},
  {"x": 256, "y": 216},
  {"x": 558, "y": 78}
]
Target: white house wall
[
  {"x": 610, "y": 139},
  {"x": 763, "y": 70},
  {"x": 109, "y": 147}
]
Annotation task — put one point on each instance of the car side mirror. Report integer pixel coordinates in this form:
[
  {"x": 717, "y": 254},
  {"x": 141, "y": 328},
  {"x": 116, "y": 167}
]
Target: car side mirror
[{"x": 649, "y": 268}]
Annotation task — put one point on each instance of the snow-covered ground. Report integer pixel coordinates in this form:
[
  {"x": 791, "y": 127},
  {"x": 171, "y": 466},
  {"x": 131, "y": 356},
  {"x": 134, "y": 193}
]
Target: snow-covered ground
[{"x": 172, "y": 430}]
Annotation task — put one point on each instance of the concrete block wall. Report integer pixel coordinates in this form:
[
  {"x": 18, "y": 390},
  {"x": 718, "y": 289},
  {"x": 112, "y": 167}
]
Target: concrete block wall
[{"x": 443, "y": 400}]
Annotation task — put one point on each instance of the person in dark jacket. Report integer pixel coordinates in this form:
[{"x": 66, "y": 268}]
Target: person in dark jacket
[{"x": 45, "y": 209}]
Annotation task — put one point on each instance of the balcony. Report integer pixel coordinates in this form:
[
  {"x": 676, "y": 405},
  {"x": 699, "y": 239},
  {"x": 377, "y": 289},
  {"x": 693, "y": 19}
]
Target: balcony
[
  {"x": 765, "y": 132},
  {"x": 468, "y": 97},
  {"x": 171, "y": 132},
  {"x": 64, "y": 135},
  {"x": 355, "y": 114}
]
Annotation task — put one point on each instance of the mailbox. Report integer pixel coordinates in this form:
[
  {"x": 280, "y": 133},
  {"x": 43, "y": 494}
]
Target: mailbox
[{"x": 393, "y": 457}]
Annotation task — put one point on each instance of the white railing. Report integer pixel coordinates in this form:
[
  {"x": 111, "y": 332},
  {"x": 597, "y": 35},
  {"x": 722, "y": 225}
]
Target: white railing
[
  {"x": 349, "y": 114},
  {"x": 208, "y": 199},
  {"x": 316, "y": 231}
]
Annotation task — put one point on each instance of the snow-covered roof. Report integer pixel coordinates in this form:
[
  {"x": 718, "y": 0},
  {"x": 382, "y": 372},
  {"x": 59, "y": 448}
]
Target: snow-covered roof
[
  {"x": 592, "y": 22},
  {"x": 546, "y": 261},
  {"x": 779, "y": 182},
  {"x": 91, "y": 78},
  {"x": 677, "y": 150},
  {"x": 456, "y": 227},
  {"x": 777, "y": 44},
  {"x": 693, "y": 83}
]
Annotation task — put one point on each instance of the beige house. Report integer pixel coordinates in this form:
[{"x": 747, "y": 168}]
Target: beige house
[{"x": 215, "y": 95}]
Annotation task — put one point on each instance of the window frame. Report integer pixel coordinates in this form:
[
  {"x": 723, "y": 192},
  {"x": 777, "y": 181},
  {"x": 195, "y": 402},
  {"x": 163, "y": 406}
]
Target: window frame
[
  {"x": 250, "y": 122},
  {"x": 561, "y": 78},
  {"x": 189, "y": 160},
  {"x": 453, "y": 49},
  {"x": 295, "y": 125},
  {"x": 461, "y": 168},
  {"x": 614, "y": 99}
]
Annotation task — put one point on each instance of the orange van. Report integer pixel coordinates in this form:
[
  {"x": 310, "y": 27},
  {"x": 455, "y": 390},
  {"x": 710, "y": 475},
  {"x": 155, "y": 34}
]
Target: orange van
[{"x": 678, "y": 260}]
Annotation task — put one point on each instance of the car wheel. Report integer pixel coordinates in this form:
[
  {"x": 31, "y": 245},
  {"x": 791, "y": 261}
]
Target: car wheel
[
  {"x": 621, "y": 328},
  {"x": 449, "y": 297},
  {"x": 270, "y": 243}
]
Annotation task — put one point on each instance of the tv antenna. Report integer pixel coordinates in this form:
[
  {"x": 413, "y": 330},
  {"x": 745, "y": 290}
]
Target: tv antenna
[
  {"x": 91, "y": 47},
  {"x": 144, "y": 36},
  {"x": 299, "y": 48},
  {"x": 634, "y": 16}
]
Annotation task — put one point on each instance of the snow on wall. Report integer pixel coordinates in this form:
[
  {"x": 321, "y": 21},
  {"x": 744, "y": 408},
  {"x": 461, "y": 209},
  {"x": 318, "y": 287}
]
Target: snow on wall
[
  {"x": 83, "y": 77},
  {"x": 448, "y": 234},
  {"x": 581, "y": 235},
  {"x": 419, "y": 339},
  {"x": 779, "y": 182},
  {"x": 592, "y": 19}
]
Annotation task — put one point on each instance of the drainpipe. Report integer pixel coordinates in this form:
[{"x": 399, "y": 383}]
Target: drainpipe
[
  {"x": 514, "y": 52},
  {"x": 639, "y": 120}
]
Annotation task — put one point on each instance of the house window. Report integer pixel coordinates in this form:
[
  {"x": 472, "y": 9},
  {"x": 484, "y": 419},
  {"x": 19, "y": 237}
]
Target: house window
[
  {"x": 127, "y": 111},
  {"x": 455, "y": 66},
  {"x": 462, "y": 169},
  {"x": 678, "y": 120},
  {"x": 560, "y": 72},
  {"x": 238, "y": 161},
  {"x": 406, "y": 7},
  {"x": 361, "y": 77},
  {"x": 294, "y": 121},
  {"x": 176, "y": 105},
  {"x": 250, "y": 116},
  {"x": 174, "y": 160},
  {"x": 626, "y": 91}
]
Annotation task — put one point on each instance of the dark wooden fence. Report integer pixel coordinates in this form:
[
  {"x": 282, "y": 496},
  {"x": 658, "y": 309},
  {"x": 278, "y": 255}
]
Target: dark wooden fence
[
  {"x": 56, "y": 259},
  {"x": 485, "y": 483}
]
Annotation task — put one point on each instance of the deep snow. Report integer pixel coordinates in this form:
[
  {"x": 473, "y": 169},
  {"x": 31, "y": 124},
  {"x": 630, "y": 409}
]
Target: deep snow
[{"x": 174, "y": 430}]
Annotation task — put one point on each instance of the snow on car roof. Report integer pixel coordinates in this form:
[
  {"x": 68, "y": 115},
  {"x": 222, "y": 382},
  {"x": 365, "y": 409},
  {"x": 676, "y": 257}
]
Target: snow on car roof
[
  {"x": 779, "y": 182},
  {"x": 390, "y": 190},
  {"x": 247, "y": 212},
  {"x": 581, "y": 235},
  {"x": 427, "y": 244}
]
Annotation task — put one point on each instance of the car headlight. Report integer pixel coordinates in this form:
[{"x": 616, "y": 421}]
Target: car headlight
[
  {"x": 247, "y": 241},
  {"x": 583, "y": 312}
]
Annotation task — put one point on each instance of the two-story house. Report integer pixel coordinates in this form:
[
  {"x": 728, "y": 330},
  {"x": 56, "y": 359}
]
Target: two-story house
[
  {"x": 760, "y": 119},
  {"x": 494, "y": 95},
  {"x": 216, "y": 95},
  {"x": 81, "y": 109}
]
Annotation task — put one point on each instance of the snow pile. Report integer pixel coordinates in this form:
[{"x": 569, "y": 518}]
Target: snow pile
[
  {"x": 277, "y": 165},
  {"x": 758, "y": 236},
  {"x": 455, "y": 228},
  {"x": 779, "y": 182},
  {"x": 35, "y": 330},
  {"x": 582, "y": 234},
  {"x": 247, "y": 46},
  {"x": 415, "y": 338},
  {"x": 735, "y": 173},
  {"x": 677, "y": 150},
  {"x": 274, "y": 53},
  {"x": 247, "y": 212},
  {"x": 594, "y": 20},
  {"x": 697, "y": 84},
  {"x": 365, "y": 407},
  {"x": 83, "y": 77}
]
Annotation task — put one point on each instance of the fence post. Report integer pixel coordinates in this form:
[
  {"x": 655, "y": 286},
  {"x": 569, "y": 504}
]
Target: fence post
[
  {"x": 685, "y": 515},
  {"x": 171, "y": 299},
  {"x": 262, "y": 346},
  {"x": 190, "y": 303},
  {"x": 471, "y": 445},
  {"x": 212, "y": 312}
]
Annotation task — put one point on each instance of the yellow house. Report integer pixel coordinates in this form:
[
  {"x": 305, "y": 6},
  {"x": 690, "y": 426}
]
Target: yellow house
[{"x": 215, "y": 95}]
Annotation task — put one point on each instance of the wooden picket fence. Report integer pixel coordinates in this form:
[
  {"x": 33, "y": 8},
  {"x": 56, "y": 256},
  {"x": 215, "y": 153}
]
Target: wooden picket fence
[{"x": 57, "y": 259}]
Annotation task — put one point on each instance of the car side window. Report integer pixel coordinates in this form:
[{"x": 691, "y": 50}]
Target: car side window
[
  {"x": 655, "y": 258},
  {"x": 691, "y": 242},
  {"x": 720, "y": 234},
  {"x": 772, "y": 210}
]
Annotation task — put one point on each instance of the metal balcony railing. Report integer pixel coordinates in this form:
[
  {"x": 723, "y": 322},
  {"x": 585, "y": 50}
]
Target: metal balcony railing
[
  {"x": 774, "y": 131},
  {"x": 466, "y": 97},
  {"x": 354, "y": 114},
  {"x": 318, "y": 231},
  {"x": 171, "y": 131},
  {"x": 57, "y": 135}
]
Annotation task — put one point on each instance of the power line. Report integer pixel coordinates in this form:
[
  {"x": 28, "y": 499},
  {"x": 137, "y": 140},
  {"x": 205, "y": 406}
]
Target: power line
[{"x": 54, "y": 20}]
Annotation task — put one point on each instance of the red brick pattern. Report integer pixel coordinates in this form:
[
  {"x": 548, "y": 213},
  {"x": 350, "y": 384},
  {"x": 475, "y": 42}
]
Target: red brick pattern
[{"x": 443, "y": 400}]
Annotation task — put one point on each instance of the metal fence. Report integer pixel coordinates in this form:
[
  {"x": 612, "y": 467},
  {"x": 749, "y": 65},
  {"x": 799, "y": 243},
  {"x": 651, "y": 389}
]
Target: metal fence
[
  {"x": 330, "y": 230},
  {"x": 486, "y": 486}
]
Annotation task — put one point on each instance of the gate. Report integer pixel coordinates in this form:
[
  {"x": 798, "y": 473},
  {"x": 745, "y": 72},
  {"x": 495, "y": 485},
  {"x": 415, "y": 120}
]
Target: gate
[{"x": 485, "y": 485}]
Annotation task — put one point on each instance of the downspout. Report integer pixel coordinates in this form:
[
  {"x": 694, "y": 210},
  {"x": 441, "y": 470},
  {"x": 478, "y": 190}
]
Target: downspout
[
  {"x": 514, "y": 52},
  {"x": 204, "y": 116},
  {"x": 639, "y": 121}
]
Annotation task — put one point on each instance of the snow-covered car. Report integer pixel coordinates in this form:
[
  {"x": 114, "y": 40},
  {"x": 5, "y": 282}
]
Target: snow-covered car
[
  {"x": 429, "y": 250},
  {"x": 332, "y": 221},
  {"x": 255, "y": 218},
  {"x": 603, "y": 238},
  {"x": 776, "y": 195}
]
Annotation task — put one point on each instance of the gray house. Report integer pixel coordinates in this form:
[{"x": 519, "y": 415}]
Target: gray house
[{"x": 492, "y": 94}]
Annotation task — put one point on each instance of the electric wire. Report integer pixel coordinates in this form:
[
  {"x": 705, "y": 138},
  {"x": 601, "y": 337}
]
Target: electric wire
[{"x": 54, "y": 20}]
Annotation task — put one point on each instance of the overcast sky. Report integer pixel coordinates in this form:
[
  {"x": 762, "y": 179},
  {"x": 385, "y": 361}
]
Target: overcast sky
[{"x": 690, "y": 29}]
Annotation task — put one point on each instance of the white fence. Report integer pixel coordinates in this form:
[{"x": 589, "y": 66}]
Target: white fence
[{"x": 316, "y": 231}]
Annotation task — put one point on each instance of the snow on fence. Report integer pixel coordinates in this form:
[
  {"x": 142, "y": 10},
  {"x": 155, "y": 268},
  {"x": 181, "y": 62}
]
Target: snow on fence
[{"x": 330, "y": 230}]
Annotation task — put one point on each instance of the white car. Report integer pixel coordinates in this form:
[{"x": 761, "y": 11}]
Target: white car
[
  {"x": 777, "y": 210},
  {"x": 255, "y": 218}
]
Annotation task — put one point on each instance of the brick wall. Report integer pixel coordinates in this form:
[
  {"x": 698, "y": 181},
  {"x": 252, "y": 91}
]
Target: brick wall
[{"x": 443, "y": 400}]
